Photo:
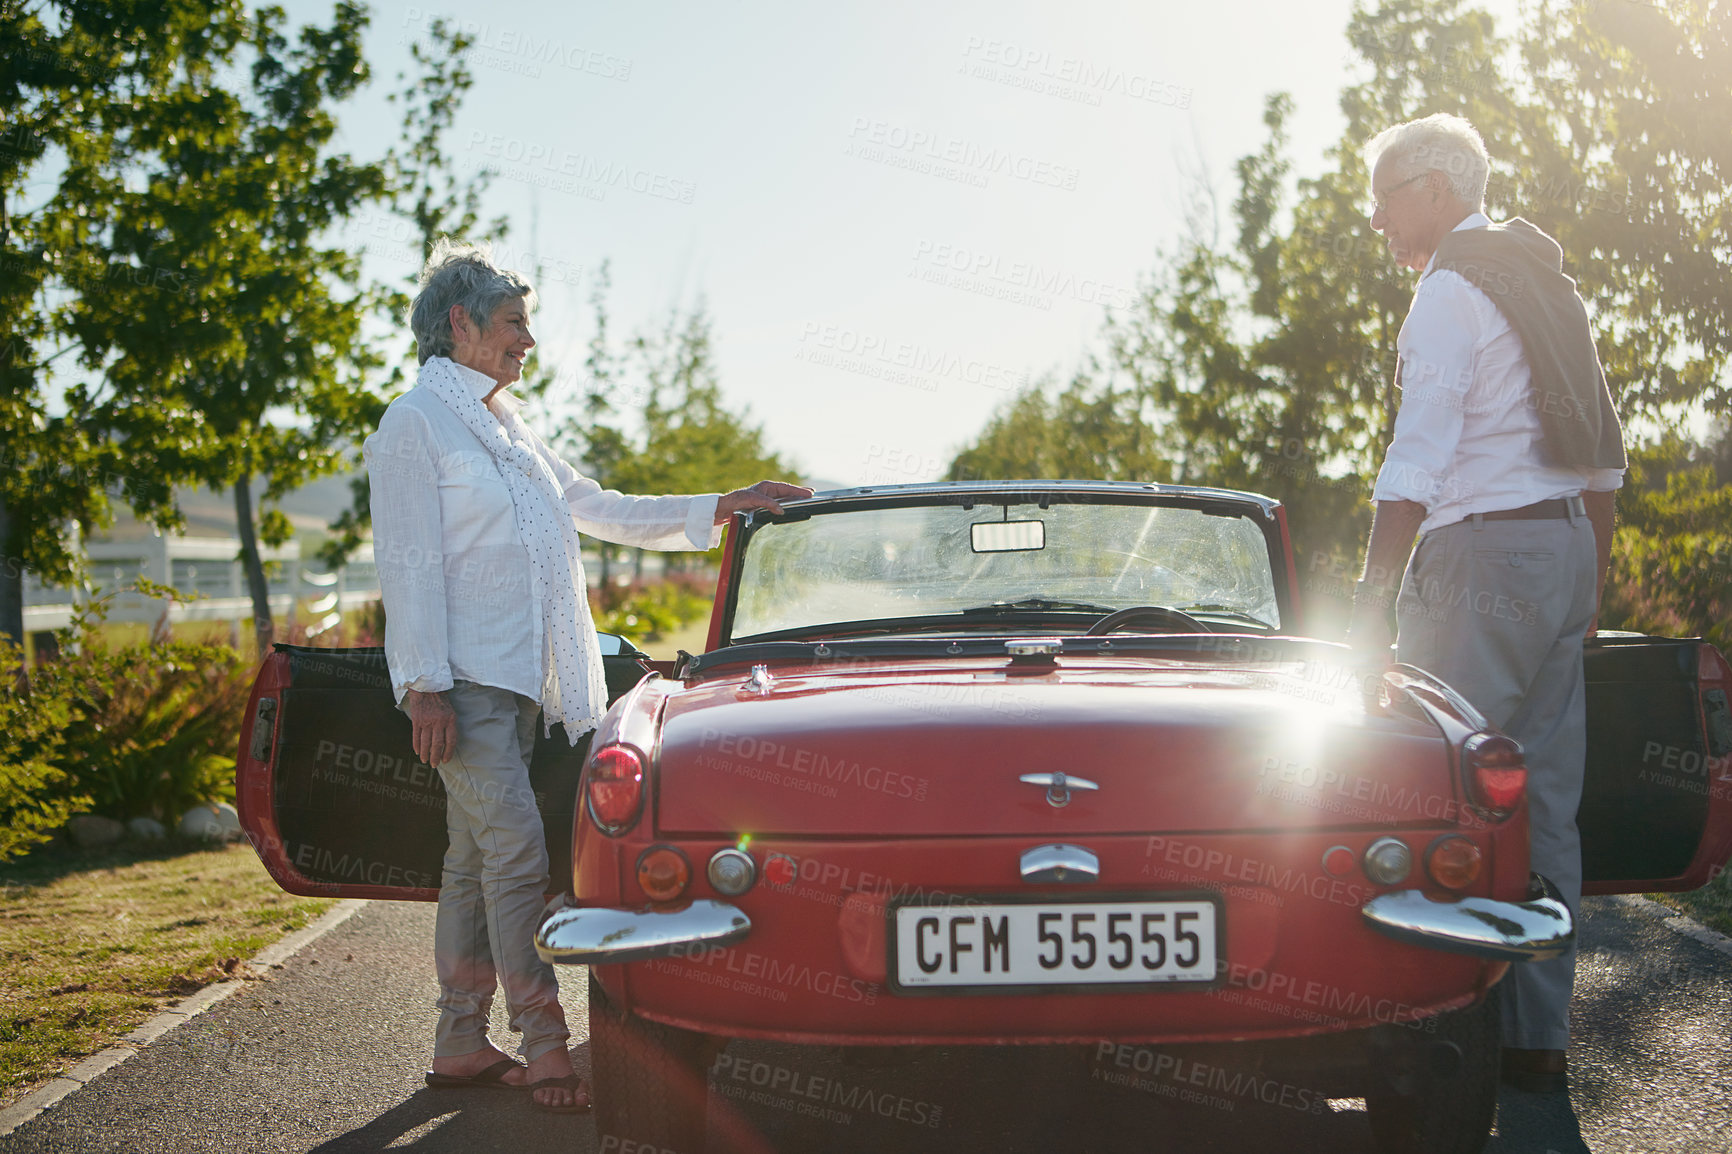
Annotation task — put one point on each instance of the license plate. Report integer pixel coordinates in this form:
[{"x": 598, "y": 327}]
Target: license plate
[{"x": 1099, "y": 943}]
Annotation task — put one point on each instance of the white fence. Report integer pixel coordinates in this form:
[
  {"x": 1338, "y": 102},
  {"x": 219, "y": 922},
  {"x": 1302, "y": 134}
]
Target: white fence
[{"x": 209, "y": 569}]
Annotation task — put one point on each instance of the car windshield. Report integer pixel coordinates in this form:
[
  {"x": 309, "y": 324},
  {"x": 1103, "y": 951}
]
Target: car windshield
[{"x": 921, "y": 561}]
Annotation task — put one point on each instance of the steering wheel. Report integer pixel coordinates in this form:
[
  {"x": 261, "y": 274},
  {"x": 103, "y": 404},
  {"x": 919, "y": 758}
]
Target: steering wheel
[{"x": 1168, "y": 616}]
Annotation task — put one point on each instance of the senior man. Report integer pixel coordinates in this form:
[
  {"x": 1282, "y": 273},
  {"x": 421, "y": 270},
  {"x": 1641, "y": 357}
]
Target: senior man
[
  {"x": 475, "y": 533},
  {"x": 1505, "y": 457}
]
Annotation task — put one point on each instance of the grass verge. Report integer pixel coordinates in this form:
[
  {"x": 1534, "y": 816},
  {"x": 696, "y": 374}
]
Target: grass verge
[
  {"x": 1711, "y": 905},
  {"x": 93, "y": 943}
]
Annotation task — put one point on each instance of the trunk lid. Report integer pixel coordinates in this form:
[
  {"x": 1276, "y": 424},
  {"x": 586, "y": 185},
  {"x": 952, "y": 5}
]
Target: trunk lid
[{"x": 941, "y": 751}]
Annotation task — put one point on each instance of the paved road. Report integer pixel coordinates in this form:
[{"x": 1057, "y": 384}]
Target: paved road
[{"x": 327, "y": 1056}]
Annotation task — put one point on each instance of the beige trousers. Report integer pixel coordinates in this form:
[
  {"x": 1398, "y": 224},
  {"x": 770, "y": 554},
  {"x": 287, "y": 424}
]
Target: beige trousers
[
  {"x": 1498, "y": 611},
  {"x": 492, "y": 890}
]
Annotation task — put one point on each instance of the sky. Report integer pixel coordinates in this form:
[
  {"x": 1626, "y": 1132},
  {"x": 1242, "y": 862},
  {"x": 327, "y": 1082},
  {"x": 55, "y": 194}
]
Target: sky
[{"x": 897, "y": 213}]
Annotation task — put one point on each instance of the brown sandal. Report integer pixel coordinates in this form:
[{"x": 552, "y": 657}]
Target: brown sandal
[
  {"x": 491, "y": 1078},
  {"x": 572, "y": 1082}
]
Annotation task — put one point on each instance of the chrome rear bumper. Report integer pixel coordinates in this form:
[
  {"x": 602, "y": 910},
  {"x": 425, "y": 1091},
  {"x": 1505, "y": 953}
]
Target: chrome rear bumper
[
  {"x": 600, "y": 935},
  {"x": 1529, "y": 931}
]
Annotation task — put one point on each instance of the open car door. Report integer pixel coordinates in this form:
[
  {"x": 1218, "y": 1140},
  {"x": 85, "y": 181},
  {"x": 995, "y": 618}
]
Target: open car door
[
  {"x": 1656, "y": 810},
  {"x": 330, "y": 792}
]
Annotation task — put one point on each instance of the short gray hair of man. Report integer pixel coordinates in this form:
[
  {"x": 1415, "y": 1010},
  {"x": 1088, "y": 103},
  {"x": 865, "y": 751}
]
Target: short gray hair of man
[
  {"x": 457, "y": 273},
  {"x": 1437, "y": 143}
]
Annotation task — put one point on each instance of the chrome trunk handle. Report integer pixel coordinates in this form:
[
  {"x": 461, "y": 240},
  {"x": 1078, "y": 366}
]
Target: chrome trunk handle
[{"x": 1058, "y": 862}]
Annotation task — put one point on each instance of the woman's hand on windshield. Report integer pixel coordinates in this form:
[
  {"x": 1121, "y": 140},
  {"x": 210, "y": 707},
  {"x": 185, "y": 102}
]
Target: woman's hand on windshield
[{"x": 766, "y": 495}]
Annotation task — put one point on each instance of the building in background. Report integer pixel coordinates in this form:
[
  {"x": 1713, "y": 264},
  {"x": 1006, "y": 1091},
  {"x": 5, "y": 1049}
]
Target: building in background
[{"x": 208, "y": 570}]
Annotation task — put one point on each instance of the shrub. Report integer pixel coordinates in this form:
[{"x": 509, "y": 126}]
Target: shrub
[
  {"x": 1671, "y": 570},
  {"x": 139, "y": 730},
  {"x": 34, "y": 797},
  {"x": 640, "y": 612},
  {"x": 155, "y": 725}
]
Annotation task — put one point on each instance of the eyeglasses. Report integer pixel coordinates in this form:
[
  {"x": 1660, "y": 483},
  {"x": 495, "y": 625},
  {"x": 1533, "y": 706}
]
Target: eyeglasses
[{"x": 1381, "y": 203}]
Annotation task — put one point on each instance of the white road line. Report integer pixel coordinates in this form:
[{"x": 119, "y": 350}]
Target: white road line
[
  {"x": 1677, "y": 922},
  {"x": 93, "y": 1067}
]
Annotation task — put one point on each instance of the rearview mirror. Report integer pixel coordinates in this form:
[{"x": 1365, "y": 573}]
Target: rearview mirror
[{"x": 1007, "y": 536}]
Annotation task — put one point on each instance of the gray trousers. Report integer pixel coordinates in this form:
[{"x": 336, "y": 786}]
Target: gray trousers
[
  {"x": 1498, "y": 610},
  {"x": 492, "y": 891}
]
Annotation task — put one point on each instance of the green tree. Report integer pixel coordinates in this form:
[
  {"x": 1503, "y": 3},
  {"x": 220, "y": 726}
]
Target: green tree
[
  {"x": 692, "y": 442},
  {"x": 427, "y": 193},
  {"x": 1622, "y": 156},
  {"x": 266, "y": 354},
  {"x": 1083, "y": 430},
  {"x": 686, "y": 438},
  {"x": 83, "y": 87},
  {"x": 1267, "y": 362},
  {"x": 605, "y": 450},
  {"x": 1672, "y": 562}
]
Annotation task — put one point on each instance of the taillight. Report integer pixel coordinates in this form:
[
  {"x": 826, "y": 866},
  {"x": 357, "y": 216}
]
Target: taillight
[
  {"x": 614, "y": 788},
  {"x": 663, "y": 873},
  {"x": 1495, "y": 772},
  {"x": 1453, "y": 861}
]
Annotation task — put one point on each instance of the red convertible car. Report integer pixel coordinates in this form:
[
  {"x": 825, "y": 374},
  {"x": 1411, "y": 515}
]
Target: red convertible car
[{"x": 1027, "y": 763}]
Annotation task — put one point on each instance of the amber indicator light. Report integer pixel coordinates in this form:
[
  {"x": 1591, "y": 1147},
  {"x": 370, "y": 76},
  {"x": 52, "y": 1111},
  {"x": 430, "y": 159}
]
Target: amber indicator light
[
  {"x": 1453, "y": 862},
  {"x": 663, "y": 873}
]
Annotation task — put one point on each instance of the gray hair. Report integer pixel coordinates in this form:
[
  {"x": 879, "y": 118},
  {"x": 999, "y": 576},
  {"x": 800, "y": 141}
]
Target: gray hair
[
  {"x": 458, "y": 273},
  {"x": 1437, "y": 143}
]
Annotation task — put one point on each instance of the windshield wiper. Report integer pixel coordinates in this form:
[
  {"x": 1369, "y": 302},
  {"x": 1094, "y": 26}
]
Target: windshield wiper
[
  {"x": 1226, "y": 611},
  {"x": 1039, "y": 603}
]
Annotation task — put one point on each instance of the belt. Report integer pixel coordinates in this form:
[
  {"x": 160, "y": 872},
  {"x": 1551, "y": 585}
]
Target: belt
[{"x": 1542, "y": 510}]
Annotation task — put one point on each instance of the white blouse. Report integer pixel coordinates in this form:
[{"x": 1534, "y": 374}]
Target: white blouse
[{"x": 453, "y": 573}]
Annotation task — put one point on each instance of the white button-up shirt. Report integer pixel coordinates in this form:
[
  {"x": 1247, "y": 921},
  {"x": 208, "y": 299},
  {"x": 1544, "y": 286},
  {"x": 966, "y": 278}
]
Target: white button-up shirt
[
  {"x": 453, "y": 573},
  {"x": 1467, "y": 439}
]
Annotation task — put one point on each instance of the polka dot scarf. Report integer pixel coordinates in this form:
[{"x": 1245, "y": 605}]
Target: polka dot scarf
[{"x": 573, "y": 690}]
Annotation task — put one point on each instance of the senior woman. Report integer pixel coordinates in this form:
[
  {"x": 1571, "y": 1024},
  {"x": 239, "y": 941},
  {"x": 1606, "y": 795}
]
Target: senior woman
[{"x": 475, "y": 533}]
